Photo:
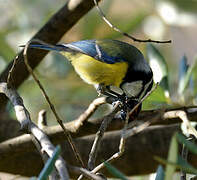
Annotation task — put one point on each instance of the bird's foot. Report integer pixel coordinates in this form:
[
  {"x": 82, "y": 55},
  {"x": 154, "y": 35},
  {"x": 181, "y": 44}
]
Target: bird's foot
[{"x": 127, "y": 104}]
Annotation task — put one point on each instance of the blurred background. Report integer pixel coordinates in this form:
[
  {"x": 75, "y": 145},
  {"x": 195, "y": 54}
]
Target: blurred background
[{"x": 155, "y": 19}]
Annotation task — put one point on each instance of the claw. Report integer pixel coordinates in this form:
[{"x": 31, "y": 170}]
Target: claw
[
  {"x": 117, "y": 101},
  {"x": 123, "y": 114}
]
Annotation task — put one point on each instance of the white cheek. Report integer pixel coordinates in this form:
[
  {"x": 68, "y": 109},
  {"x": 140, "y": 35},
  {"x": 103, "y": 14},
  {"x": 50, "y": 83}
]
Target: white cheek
[{"x": 132, "y": 89}]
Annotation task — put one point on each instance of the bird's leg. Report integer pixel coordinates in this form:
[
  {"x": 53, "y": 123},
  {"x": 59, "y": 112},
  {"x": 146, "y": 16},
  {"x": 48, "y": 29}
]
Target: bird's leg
[
  {"x": 112, "y": 92},
  {"x": 125, "y": 101},
  {"x": 105, "y": 90}
]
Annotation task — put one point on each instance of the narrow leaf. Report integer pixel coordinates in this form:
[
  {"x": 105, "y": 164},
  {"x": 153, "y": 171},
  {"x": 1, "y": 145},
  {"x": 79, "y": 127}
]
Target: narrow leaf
[
  {"x": 48, "y": 168},
  {"x": 159, "y": 68},
  {"x": 190, "y": 72},
  {"x": 183, "y": 67},
  {"x": 190, "y": 145},
  {"x": 160, "y": 173},
  {"x": 194, "y": 76},
  {"x": 185, "y": 166},
  {"x": 181, "y": 165},
  {"x": 115, "y": 172},
  {"x": 172, "y": 157}
]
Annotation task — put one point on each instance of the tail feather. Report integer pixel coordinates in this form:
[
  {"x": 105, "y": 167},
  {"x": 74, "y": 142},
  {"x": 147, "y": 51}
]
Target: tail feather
[{"x": 48, "y": 47}]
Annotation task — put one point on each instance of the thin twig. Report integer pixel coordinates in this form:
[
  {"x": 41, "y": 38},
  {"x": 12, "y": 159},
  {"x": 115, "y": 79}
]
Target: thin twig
[
  {"x": 42, "y": 123},
  {"x": 123, "y": 33},
  {"x": 121, "y": 148},
  {"x": 96, "y": 145},
  {"x": 148, "y": 94},
  {"x": 99, "y": 135},
  {"x": 43, "y": 154},
  {"x": 42, "y": 119},
  {"x": 123, "y": 137},
  {"x": 67, "y": 134},
  {"x": 9, "y": 78},
  {"x": 183, "y": 116},
  {"x": 28, "y": 126},
  {"x": 91, "y": 109},
  {"x": 124, "y": 134},
  {"x": 85, "y": 172}
]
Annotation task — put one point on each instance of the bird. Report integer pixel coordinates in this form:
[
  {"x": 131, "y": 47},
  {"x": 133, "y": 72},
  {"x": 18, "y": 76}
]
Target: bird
[{"x": 115, "y": 68}]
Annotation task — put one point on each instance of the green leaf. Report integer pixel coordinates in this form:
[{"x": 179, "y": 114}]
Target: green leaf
[
  {"x": 160, "y": 173},
  {"x": 183, "y": 67},
  {"x": 172, "y": 157},
  {"x": 185, "y": 166},
  {"x": 194, "y": 76},
  {"x": 159, "y": 68},
  {"x": 190, "y": 145},
  {"x": 181, "y": 165},
  {"x": 48, "y": 168},
  {"x": 157, "y": 96},
  {"x": 152, "y": 102},
  {"x": 190, "y": 72},
  {"x": 115, "y": 171}
]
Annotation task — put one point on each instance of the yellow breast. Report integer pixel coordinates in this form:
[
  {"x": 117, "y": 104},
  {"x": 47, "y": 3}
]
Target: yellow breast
[{"x": 94, "y": 71}]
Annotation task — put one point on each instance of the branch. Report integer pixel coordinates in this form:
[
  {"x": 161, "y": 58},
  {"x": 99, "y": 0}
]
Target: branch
[
  {"x": 52, "y": 107},
  {"x": 14, "y": 149},
  {"x": 96, "y": 145},
  {"x": 91, "y": 126},
  {"x": 137, "y": 159},
  {"x": 123, "y": 33},
  {"x": 85, "y": 172},
  {"x": 28, "y": 126},
  {"x": 59, "y": 23}
]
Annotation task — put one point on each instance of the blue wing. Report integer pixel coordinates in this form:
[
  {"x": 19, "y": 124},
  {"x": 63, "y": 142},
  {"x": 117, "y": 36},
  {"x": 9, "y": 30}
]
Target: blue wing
[
  {"x": 93, "y": 49},
  {"x": 108, "y": 51}
]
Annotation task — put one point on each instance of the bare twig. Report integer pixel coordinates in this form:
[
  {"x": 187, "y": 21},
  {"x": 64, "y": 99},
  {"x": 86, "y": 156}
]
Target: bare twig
[
  {"x": 42, "y": 120},
  {"x": 90, "y": 110},
  {"x": 9, "y": 78},
  {"x": 85, "y": 172},
  {"x": 42, "y": 123},
  {"x": 121, "y": 147},
  {"x": 124, "y": 134},
  {"x": 98, "y": 138},
  {"x": 144, "y": 125},
  {"x": 99, "y": 135},
  {"x": 183, "y": 116},
  {"x": 67, "y": 134},
  {"x": 123, "y": 33},
  {"x": 27, "y": 125}
]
